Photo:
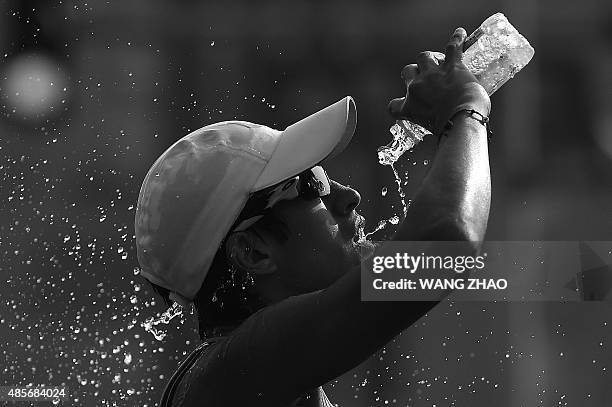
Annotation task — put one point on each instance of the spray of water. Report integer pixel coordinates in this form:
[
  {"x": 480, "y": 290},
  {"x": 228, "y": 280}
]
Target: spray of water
[
  {"x": 405, "y": 137},
  {"x": 402, "y": 195},
  {"x": 395, "y": 219},
  {"x": 150, "y": 324}
]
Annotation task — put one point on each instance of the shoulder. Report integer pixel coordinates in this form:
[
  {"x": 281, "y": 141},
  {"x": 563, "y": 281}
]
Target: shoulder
[{"x": 190, "y": 370}]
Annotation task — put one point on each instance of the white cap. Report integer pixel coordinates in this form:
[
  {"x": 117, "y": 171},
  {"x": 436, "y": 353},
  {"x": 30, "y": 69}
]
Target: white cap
[{"x": 197, "y": 188}]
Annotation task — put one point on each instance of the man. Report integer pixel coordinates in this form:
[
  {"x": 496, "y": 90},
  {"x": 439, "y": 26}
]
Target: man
[{"x": 242, "y": 220}]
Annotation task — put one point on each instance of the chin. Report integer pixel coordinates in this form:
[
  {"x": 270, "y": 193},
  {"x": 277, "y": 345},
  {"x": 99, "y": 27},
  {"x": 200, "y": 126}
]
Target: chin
[{"x": 361, "y": 249}]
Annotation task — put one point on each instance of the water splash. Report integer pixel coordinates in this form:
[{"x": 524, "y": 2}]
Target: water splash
[
  {"x": 150, "y": 324},
  {"x": 406, "y": 135},
  {"x": 402, "y": 195},
  {"x": 394, "y": 220},
  {"x": 381, "y": 225},
  {"x": 367, "y": 246}
]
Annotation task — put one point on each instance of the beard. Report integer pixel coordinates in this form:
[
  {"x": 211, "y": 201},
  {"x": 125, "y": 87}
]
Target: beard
[{"x": 360, "y": 250}]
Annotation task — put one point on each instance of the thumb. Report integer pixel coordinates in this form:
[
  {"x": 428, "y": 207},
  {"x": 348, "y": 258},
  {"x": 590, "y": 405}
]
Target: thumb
[
  {"x": 409, "y": 72},
  {"x": 395, "y": 107}
]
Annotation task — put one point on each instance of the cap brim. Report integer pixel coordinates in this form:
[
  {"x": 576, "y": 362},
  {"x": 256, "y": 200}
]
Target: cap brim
[{"x": 310, "y": 141}]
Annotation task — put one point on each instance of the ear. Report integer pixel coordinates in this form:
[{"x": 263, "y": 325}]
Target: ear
[{"x": 248, "y": 252}]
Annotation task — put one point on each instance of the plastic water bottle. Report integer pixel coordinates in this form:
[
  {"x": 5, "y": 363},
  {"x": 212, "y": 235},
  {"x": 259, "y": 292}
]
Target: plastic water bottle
[{"x": 494, "y": 53}]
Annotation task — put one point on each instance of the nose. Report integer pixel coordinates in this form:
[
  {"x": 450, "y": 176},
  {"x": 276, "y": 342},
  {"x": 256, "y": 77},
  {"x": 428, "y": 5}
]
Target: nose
[{"x": 343, "y": 199}]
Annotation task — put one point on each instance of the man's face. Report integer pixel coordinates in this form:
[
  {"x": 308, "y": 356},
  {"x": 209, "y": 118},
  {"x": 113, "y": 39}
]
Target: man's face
[{"x": 322, "y": 242}]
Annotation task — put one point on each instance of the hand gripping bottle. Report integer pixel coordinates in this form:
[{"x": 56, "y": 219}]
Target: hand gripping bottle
[{"x": 494, "y": 53}]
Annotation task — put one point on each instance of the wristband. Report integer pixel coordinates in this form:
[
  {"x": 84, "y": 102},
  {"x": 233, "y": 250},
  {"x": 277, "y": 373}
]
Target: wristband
[
  {"x": 471, "y": 113},
  {"x": 479, "y": 117}
]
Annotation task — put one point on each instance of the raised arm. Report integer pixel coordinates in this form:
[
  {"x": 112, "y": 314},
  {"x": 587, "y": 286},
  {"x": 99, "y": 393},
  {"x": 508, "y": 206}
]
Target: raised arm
[
  {"x": 454, "y": 198},
  {"x": 307, "y": 340}
]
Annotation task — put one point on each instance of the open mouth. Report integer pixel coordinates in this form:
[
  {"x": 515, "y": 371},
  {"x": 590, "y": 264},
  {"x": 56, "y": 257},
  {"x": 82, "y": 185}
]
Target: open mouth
[
  {"x": 365, "y": 247},
  {"x": 359, "y": 232}
]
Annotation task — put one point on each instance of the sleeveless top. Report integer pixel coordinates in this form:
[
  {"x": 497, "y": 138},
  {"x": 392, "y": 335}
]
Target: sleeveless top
[
  {"x": 174, "y": 394},
  {"x": 175, "y": 380}
]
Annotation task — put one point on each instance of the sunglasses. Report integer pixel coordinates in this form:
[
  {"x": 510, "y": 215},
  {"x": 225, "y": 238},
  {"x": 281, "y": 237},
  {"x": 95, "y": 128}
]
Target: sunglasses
[{"x": 310, "y": 184}]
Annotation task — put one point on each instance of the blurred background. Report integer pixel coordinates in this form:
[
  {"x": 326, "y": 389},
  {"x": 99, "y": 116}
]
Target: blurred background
[{"x": 92, "y": 92}]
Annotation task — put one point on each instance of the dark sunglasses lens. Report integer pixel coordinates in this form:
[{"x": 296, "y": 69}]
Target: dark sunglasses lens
[{"x": 314, "y": 183}]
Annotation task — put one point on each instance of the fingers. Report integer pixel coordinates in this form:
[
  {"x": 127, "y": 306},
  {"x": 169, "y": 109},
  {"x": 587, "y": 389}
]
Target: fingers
[
  {"x": 454, "y": 48},
  {"x": 438, "y": 57},
  {"x": 426, "y": 60},
  {"x": 395, "y": 107},
  {"x": 409, "y": 73}
]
